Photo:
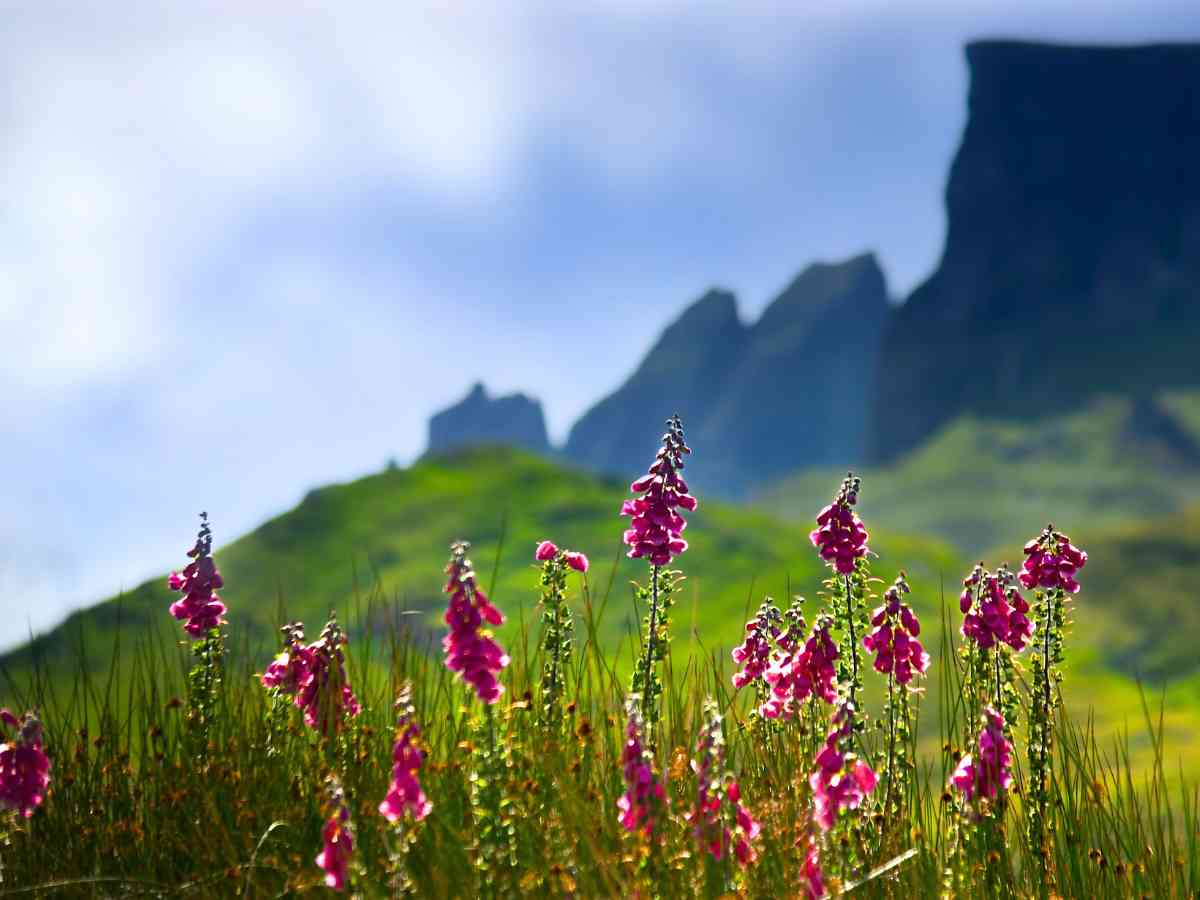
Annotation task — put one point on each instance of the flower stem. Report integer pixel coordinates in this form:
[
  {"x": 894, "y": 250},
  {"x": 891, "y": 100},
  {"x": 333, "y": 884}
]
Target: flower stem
[
  {"x": 554, "y": 691},
  {"x": 853, "y": 640},
  {"x": 651, "y": 632},
  {"x": 891, "y": 741},
  {"x": 1044, "y": 749},
  {"x": 999, "y": 700}
]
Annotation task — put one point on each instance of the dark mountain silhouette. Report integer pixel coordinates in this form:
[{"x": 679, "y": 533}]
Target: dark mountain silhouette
[
  {"x": 515, "y": 420},
  {"x": 789, "y": 391},
  {"x": 1072, "y": 258},
  {"x": 1071, "y": 271},
  {"x": 684, "y": 372},
  {"x": 799, "y": 393}
]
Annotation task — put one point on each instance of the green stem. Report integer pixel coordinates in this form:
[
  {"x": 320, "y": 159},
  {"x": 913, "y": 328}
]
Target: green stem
[
  {"x": 1044, "y": 749},
  {"x": 554, "y": 657},
  {"x": 651, "y": 632},
  {"x": 891, "y": 742},
  {"x": 999, "y": 701},
  {"x": 853, "y": 642}
]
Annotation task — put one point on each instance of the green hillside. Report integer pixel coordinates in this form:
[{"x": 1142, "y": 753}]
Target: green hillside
[
  {"x": 987, "y": 484},
  {"x": 1143, "y": 579},
  {"x": 382, "y": 542}
]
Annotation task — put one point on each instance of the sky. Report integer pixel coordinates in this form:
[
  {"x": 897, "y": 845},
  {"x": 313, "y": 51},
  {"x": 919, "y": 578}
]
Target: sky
[{"x": 247, "y": 248}]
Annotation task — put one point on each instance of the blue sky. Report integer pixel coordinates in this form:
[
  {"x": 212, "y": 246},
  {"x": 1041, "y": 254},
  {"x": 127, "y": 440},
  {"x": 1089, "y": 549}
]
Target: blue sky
[{"x": 247, "y": 248}]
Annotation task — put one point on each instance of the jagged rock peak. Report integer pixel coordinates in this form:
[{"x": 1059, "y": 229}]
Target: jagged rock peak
[
  {"x": 515, "y": 420},
  {"x": 716, "y": 307},
  {"x": 747, "y": 394},
  {"x": 1072, "y": 255},
  {"x": 855, "y": 285}
]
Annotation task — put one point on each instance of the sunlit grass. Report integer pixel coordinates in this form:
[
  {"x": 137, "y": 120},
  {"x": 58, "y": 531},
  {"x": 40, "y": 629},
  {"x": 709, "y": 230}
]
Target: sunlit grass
[{"x": 135, "y": 810}]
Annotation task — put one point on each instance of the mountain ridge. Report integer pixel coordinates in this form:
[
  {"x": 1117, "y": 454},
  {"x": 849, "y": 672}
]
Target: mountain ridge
[{"x": 1072, "y": 244}]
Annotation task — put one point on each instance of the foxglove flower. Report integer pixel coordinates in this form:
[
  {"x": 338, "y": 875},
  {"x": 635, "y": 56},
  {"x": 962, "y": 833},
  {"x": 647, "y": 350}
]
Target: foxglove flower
[
  {"x": 644, "y": 799},
  {"x": 894, "y": 638},
  {"x": 290, "y": 669},
  {"x": 996, "y": 613},
  {"x": 747, "y": 828},
  {"x": 201, "y": 608},
  {"x": 841, "y": 781},
  {"x": 814, "y": 876},
  {"x": 337, "y": 838},
  {"x": 558, "y": 628},
  {"x": 805, "y": 671},
  {"x": 840, "y": 536},
  {"x": 1051, "y": 561},
  {"x": 719, "y": 820},
  {"x": 986, "y": 773},
  {"x": 754, "y": 653},
  {"x": 547, "y": 551},
  {"x": 405, "y": 792},
  {"x": 656, "y": 527},
  {"x": 470, "y": 650},
  {"x": 324, "y": 693},
  {"x": 24, "y": 766}
]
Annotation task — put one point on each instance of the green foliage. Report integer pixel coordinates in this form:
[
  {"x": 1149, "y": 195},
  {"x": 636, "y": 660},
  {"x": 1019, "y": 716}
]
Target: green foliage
[
  {"x": 658, "y": 597},
  {"x": 988, "y": 483},
  {"x": 204, "y": 682},
  {"x": 558, "y": 629}
]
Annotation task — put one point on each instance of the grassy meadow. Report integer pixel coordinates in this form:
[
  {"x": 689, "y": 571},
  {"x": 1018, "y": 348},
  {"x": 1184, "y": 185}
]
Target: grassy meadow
[{"x": 144, "y": 802}]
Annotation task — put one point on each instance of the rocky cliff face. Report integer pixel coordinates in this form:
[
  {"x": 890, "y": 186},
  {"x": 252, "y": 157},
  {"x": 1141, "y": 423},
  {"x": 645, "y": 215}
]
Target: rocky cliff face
[
  {"x": 684, "y": 372},
  {"x": 799, "y": 393},
  {"x": 789, "y": 391},
  {"x": 1072, "y": 258},
  {"x": 515, "y": 420}
]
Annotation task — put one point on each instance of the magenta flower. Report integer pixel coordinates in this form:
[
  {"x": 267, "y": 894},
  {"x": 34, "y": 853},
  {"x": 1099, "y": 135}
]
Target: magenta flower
[
  {"x": 199, "y": 582},
  {"x": 894, "y": 638},
  {"x": 338, "y": 839},
  {"x": 719, "y": 820},
  {"x": 840, "y": 536},
  {"x": 987, "y": 773},
  {"x": 656, "y": 525},
  {"x": 644, "y": 799},
  {"x": 841, "y": 781},
  {"x": 325, "y": 694},
  {"x": 799, "y": 673},
  {"x": 754, "y": 653},
  {"x": 1051, "y": 561},
  {"x": 995, "y": 610},
  {"x": 814, "y": 876},
  {"x": 471, "y": 651},
  {"x": 405, "y": 792},
  {"x": 546, "y": 551},
  {"x": 314, "y": 676},
  {"x": 746, "y": 830},
  {"x": 290, "y": 669},
  {"x": 24, "y": 766}
]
